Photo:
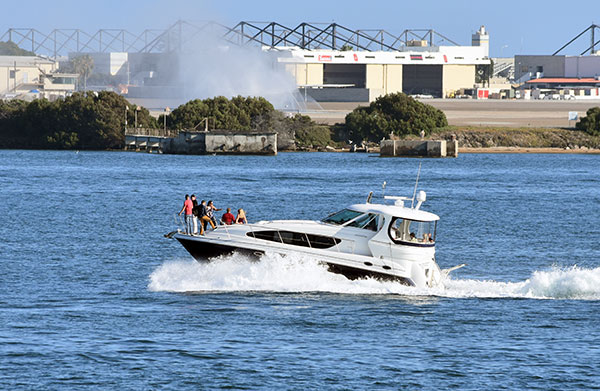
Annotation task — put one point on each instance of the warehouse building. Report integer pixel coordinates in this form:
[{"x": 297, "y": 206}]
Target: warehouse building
[{"x": 416, "y": 69}]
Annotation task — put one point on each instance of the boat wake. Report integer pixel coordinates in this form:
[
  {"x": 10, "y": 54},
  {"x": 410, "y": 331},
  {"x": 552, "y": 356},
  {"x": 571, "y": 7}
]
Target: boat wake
[{"x": 274, "y": 273}]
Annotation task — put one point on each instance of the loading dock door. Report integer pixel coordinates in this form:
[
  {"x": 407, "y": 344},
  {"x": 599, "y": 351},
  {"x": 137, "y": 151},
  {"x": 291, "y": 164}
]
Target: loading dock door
[
  {"x": 422, "y": 79},
  {"x": 355, "y": 74}
]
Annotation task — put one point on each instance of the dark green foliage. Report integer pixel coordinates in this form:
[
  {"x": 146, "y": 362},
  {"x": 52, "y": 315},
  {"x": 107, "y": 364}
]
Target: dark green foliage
[
  {"x": 11, "y": 49},
  {"x": 393, "y": 113},
  {"x": 308, "y": 134},
  {"x": 591, "y": 122},
  {"x": 80, "y": 121},
  {"x": 222, "y": 113}
]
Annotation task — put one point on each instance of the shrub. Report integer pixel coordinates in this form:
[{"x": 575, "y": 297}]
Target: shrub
[
  {"x": 397, "y": 114},
  {"x": 591, "y": 122}
]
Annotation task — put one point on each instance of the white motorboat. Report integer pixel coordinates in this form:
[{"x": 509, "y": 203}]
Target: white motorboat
[{"x": 383, "y": 241}]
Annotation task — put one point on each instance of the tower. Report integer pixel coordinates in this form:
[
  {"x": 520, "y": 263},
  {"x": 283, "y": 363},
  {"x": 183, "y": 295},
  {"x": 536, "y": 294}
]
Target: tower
[{"x": 481, "y": 38}]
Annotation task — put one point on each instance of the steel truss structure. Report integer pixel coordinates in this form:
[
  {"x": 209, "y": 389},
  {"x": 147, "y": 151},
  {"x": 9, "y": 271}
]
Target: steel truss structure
[
  {"x": 182, "y": 33},
  {"x": 592, "y": 48}
]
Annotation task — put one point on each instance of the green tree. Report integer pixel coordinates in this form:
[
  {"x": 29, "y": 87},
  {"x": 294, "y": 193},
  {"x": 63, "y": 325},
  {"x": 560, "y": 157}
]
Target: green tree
[
  {"x": 82, "y": 121},
  {"x": 591, "y": 122},
  {"x": 238, "y": 113},
  {"x": 397, "y": 114},
  {"x": 83, "y": 65}
]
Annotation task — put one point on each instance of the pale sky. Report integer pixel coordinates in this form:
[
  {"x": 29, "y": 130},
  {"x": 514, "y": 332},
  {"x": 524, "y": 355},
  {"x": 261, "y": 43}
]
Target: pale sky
[{"x": 515, "y": 27}]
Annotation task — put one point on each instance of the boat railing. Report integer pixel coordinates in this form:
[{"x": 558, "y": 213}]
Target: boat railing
[{"x": 179, "y": 222}]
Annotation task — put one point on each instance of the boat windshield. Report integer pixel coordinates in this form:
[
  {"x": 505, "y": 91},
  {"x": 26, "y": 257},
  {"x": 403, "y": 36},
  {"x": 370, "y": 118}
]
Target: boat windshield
[
  {"x": 341, "y": 217},
  {"x": 368, "y": 221},
  {"x": 412, "y": 231}
]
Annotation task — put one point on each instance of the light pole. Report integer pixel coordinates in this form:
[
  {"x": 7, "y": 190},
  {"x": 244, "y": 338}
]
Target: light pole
[
  {"x": 167, "y": 110},
  {"x": 137, "y": 108},
  {"x": 126, "y": 110}
]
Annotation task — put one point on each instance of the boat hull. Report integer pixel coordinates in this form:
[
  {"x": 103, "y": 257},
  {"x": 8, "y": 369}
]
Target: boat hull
[{"x": 203, "y": 251}]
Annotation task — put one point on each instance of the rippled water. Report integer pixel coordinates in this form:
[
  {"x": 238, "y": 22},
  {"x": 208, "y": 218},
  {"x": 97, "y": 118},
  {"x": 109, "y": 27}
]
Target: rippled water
[{"x": 93, "y": 296}]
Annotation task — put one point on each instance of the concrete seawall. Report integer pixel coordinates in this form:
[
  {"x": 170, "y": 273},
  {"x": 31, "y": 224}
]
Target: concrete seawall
[
  {"x": 419, "y": 148},
  {"x": 200, "y": 143}
]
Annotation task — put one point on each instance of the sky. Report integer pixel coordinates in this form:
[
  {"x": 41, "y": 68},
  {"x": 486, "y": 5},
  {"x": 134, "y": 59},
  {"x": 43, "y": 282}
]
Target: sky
[{"x": 515, "y": 27}]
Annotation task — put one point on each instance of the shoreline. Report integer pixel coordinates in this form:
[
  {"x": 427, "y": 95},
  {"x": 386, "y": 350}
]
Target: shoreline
[{"x": 528, "y": 150}]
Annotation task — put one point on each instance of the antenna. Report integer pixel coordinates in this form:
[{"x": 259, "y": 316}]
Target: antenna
[
  {"x": 416, "y": 184},
  {"x": 383, "y": 188}
]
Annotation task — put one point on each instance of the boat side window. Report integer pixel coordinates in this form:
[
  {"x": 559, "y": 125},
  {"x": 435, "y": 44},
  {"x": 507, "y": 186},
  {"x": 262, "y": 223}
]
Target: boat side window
[
  {"x": 412, "y": 231},
  {"x": 341, "y": 217},
  {"x": 296, "y": 238},
  {"x": 368, "y": 221}
]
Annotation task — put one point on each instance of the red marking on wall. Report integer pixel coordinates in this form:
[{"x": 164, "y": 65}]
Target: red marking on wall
[
  {"x": 445, "y": 58},
  {"x": 355, "y": 57},
  {"x": 325, "y": 57}
]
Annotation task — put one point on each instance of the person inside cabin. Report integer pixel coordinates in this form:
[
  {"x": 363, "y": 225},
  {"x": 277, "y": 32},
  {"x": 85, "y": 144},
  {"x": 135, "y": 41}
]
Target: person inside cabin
[
  {"x": 413, "y": 237},
  {"x": 228, "y": 218},
  {"x": 241, "y": 217},
  {"x": 188, "y": 206},
  {"x": 210, "y": 209}
]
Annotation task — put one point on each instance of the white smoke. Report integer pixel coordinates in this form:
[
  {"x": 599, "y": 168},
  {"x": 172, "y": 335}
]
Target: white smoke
[{"x": 215, "y": 67}]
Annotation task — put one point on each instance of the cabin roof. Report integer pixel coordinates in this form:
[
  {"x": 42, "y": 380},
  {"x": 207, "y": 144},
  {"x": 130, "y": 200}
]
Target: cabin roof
[{"x": 397, "y": 211}]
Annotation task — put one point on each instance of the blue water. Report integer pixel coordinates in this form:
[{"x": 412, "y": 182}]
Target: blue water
[{"x": 92, "y": 296}]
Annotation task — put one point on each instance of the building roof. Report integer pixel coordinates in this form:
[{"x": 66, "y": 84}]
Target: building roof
[
  {"x": 24, "y": 61},
  {"x": 565, "y": 80}
]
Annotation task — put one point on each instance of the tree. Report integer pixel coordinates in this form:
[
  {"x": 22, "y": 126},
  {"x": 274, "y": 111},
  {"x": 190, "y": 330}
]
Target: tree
[
  {"x": 82, "y": 121},
  {"x": 238, "y": 113},
  {"x": 346, "y": 47},
  {"x": 591, "y": 122},
  {"x": 397, "y": 114},
  {"x": 83, "y": 65}
]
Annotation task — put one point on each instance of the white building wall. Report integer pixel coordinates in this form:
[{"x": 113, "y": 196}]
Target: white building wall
[{"x": 582, "y": 66}]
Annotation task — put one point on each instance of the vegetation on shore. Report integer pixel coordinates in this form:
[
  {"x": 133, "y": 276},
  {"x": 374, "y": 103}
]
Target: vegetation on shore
[
  {"x": 489, "y": 137},
  {"x": 80, "y": 121},
  {"x": 396, "y": 114},
  {"x": 97, "y": 121},
  {"x": 591, "y": 122}
]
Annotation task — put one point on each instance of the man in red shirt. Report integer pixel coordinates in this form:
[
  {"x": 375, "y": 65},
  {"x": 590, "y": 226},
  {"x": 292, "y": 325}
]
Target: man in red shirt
[
  {"x": 188, "y": 206},
  {"x": 228, "y": 218}
]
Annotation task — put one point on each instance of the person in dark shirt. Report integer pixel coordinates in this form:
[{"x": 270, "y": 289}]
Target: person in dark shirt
[
  {"x": 228, "y": 218},
  {"x": 195, "y": 213}
]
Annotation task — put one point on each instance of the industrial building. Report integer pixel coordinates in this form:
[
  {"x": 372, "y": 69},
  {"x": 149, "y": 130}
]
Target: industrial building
[
  {"x": 328, "y": 63},
  {"x": 29, "y": 77},
  {"x": 362, "y": 76}
]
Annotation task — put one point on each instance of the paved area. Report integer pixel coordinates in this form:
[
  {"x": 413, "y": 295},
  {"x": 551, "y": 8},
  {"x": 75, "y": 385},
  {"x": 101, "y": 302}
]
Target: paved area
[{"x": 469, "y": 112}]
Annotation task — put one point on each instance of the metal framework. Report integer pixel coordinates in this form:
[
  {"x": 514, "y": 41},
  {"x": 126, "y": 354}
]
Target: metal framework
[
  {"x": 592, "y": 48},
  {"x": 178, "y": 36}
]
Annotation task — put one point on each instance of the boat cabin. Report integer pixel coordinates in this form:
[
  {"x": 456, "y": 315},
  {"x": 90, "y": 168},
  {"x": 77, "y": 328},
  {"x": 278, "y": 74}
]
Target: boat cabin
[{"x": 405, "y": 226}]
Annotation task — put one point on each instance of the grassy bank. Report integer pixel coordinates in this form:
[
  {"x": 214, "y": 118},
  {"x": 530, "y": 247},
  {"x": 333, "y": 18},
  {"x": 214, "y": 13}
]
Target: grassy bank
[{"x": 493, "y": 137}]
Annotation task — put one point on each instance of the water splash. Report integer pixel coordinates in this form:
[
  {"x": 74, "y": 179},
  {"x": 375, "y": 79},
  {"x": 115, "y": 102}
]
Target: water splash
[{"x": 274, "y": 273}]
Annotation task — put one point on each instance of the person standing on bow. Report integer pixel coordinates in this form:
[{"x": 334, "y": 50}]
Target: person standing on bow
[
  {"x": 188, "y": 206},
  {"x": 195, "y": 214}
]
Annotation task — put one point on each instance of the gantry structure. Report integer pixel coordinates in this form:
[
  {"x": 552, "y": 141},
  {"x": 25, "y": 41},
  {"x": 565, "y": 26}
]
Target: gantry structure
[
  {"x": 593, "y": 42},
  {"x": 181, "y": 35}
]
